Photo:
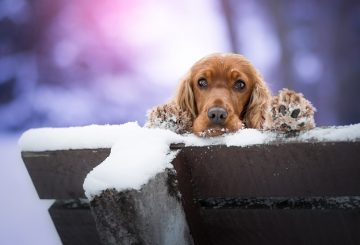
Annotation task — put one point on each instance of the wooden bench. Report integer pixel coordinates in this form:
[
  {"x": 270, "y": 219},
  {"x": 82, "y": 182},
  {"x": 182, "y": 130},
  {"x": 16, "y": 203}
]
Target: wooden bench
[
  {"x": 60, "y": 175},
  {"x": 280, "y": 193}
]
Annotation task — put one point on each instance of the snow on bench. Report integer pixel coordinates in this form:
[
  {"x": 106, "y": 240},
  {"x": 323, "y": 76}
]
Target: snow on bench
[
  {"x": 138, "y": 174},
  {"x": 138, "y": 153},
  {"x": 105, "y": 136}
]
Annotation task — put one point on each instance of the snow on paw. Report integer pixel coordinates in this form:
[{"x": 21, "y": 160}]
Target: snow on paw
[
  {"x": 290, "y": 111},
  {"x": 169, "y": 116}
]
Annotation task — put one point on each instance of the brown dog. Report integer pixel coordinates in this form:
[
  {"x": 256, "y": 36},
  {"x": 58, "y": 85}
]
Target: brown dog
[{"x": 223, "y": 93}]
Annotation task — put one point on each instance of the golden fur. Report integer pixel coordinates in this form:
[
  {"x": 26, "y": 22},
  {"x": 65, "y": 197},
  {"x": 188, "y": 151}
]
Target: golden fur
[
  {"x": 221, "y": 71},
  {"x": 252, "y": 106}
]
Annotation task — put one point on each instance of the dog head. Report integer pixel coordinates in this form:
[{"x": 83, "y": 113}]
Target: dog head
[{"x": 222, "y": 92}]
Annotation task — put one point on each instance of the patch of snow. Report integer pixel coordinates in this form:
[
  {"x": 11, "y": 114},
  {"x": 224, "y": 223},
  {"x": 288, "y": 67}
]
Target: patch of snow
[
  {"x": 248, "y": 137},
  {"x": 87, "y": 137},
  {"x": 133, "y": 161},
  {"x": 335, "y": 133},
  {"x": 141, "y": 153},
  {"x": 138, "y": 153},
  {"x": 244, "y": 137}
]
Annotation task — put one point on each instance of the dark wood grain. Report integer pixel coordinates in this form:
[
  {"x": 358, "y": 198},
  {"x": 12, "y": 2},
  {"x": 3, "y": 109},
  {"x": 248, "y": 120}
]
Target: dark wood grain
[
  {"x": 286, "y": 193},
  {"x": 280, "y": 193},
  {"x": 61, "y": 174},
  {"x": 191, "y": 207},
  {"x": 292, "y": 169},
  {"x": 264, "y": 227},
  {"x": 74, "y": 222}
]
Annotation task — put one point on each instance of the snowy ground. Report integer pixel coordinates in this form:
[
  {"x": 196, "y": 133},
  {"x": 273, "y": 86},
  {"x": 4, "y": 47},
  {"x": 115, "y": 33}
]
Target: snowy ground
[{"x": 24, "y": 218}]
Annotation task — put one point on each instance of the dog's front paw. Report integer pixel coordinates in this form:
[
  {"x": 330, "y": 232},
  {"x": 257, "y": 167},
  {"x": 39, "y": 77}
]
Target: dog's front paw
[
  {"x": 169, "y": 116},
  {"x": 290, "y": 111}
]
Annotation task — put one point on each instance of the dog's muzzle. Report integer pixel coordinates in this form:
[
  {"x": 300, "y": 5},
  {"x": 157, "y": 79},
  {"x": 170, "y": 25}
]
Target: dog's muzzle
[{"x": 217, "y": 115}]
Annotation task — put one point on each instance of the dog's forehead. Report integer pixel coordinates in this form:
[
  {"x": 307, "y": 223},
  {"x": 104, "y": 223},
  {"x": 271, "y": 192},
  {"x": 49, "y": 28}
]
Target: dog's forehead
[{"x": 222, "y": 64}]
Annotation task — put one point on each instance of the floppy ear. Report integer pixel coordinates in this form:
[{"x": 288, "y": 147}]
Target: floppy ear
[
  {"x": 257, "y": 109},
  {"x": 185, "y": 97}
]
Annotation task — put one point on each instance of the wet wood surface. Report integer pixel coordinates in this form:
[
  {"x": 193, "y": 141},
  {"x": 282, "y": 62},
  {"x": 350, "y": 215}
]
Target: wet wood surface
[
  {"x": 280, "y": 193},
  {"x": 61, "y": 174},
  {"x": 74, "y": 222},
  {"x": 293, "y": 193}
]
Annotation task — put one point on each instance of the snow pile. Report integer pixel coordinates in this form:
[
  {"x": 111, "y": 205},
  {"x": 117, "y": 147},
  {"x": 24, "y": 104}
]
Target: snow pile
[
  {"x": 134, "y": 160},
  {"x": 87, "y": 137},
  {"x": 138, "y": 153},
  {"x": 339, "y": 133},
  {"x": 96, "y": 136},
  {"x": 141, "y": 153}
]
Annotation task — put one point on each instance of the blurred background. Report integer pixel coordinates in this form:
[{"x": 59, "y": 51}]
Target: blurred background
[{"x": 79, "y": 62}]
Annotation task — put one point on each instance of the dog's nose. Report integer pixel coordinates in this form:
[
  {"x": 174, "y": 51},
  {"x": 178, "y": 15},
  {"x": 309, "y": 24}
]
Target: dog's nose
[{"x": 217, "y": 115}]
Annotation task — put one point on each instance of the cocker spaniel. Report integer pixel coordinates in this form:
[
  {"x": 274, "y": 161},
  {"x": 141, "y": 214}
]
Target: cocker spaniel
[{"x": 225, "y": 93}]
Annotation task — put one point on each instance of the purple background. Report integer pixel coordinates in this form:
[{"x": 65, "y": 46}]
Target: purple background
[{"x": 79, "y": 62}]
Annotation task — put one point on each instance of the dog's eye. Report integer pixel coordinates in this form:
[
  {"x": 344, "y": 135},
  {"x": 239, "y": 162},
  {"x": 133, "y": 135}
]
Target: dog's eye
[
  {"x": 239, "y": 85},
  {"x": 202, "y": 83}
]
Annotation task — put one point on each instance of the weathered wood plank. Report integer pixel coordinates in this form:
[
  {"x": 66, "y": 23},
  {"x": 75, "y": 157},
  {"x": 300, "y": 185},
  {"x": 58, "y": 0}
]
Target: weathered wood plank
[
  {"x": 339, "y": 202},
  {"x": 264, "y": 227},
  {"x": 60, "y": 174},
  {"x": 292, "y": 169},
  {"x": 291, "y": 193},
  {"x": 152, "y": 215},
  {"x": 279, "y": 193},
  {"x": 74, "y": 222}
]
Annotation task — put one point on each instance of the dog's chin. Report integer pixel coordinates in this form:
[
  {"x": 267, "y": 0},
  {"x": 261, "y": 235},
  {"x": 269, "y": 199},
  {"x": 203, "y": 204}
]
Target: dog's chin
[
  {"x": 212, "y": 132},
  {"x": 204, "y": 128},
  {"x": 218, "y": 130}
]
